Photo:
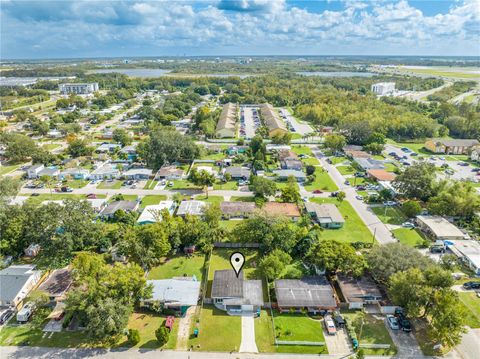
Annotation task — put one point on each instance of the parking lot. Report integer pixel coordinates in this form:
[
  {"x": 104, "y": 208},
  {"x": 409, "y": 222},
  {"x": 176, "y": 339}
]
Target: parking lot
[
  {"x": 249, "y": 122},
  {"x": 293, "y": 124}
]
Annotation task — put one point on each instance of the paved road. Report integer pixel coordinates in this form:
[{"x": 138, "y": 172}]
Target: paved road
[
  {"x": 300, "y": 128},
  {"x": 248, "y": 344},
  {"x": 418, "y": 95},
  {"x": 469, "y": 348},
  {"x": 249, "y": 124},
  {"x": 377, "y": 227}
]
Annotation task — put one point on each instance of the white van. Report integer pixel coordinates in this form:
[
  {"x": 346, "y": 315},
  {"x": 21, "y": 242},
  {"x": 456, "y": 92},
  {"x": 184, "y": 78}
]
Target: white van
[{"x": 25, "y": 313}]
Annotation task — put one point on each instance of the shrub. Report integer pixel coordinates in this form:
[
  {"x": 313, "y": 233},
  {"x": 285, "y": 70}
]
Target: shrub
[
  {"x": 133, "y": 336},
  {"x": 162, "y": 335}
]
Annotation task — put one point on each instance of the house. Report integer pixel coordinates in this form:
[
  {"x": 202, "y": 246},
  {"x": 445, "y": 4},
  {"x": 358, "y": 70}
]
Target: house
[
  {"x": 54, "y": 134},
  {"x": 192, "y": 208},
  {"x": 235, "y": 295},
  {"x": 107, "y": 147},
  {"x": 169, "y": 173},
  {"x": 439, "y": 228},
  {"x": 78, "y": 88},
  {"x": 16, "y": 282},
  {"x": 272, "y": 121},
  {"x": 152, "y": 213},
  {"x": 130, "y": 151},
  {"x": 235, "y": 150},
  {"x": 383, "y": 88},
  {"x": 33, "y": 171},
  {"x": 282, "y": 209},
  {"x": 49, "y": 172},
  {"x": 468, "y": 251},
  {"x": 126, "y": 206},
  {"x": 284, "y": 174},
  {"x": 359, "y": 292},
  {"x": 314, "y": 294},
  {"x": 238, "y": 173},
  {"x": 57, "y": 284},
  {"x": 475, "y": 155},
  {"x": 275, "y": 147},
  {"x": 32, "y": 250},
  {"x": 325, "y": 130},
  {"x": 381, "y": 175},
  {"x": 368, "y": 163},
  {"x": 178, "y": 293},
  {"x": 138, "y": 174},
  {"x": 347, "y": 148},
  {"x": 284, "y": 155},
  {"x": 76, "y": 173},
  {"x": 237, "y": 209},
  {"x": 105, "y": 171},
  {"x": 226, "y": 125},
  {"x": 357, "y": 154},
  {"x": 451, "y": 146},
  {"x": 107, "y": 133},
  {"x": 97, "y": 203},
  {"x": 327, "y": 214},
  {"x": 291, "y": 164}
]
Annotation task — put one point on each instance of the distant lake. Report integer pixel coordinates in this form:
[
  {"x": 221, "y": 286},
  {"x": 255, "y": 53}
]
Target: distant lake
[
  {"x": 336, "y": 74},
  {"x": 144, "y": 73}
]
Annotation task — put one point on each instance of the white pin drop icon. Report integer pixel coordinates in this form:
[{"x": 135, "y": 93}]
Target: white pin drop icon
[{"x": 237, "y": 260}]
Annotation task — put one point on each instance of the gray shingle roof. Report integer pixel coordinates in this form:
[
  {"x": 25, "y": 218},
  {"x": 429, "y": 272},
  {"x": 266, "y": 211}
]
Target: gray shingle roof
[
  {"x": 12, "y": 280},
  {"x": 306, "y": 292},
  {"x": 226, "y": 284},
  {"x": 327, "y": 212}
]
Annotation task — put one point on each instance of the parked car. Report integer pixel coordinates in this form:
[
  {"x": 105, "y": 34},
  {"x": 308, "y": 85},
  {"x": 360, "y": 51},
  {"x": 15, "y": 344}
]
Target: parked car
[
  {"x": 393, "y": 322},
  {"x": 330, "y": 325},
  {"x": 402, "y": 320},
  {"x": 471, "y": 285},
  {"x": 389, "y": 203},
  {"x": 25, "y": 313},
  {"x": 405, "y": 149},
  {"x": 413, "y": 154},
  {"x": 408, "y": 225},
  {"x": 6, "y": 315},
  {"x": 359, "y": 197},
  {"x": 318, "y": 191},
  {"x": 464, "y": 164},
  {"x": 347, "y": 183},
  {"x": 66, "y": 189},
  {"x": 339, "y": 321},
  {"x": 361, "y": 188}
]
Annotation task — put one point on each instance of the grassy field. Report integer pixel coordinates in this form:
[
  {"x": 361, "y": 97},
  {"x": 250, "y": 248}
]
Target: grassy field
[
  {"x": 410, "y": 237},
  {"x": 346, "y": 170},
  {"x": 58, "y": 196},
  {"x": 210, "y": 199},
  {"x": 75, "y": 183},
  {"x": 214, "y": 156},
  {"x": 152, "y": 199},
  {"x": 302, "y": 150},
  {"x": 446, "y": 72},
  {"x": 7, "y": 169},
  {"x": 231, "y": 185},
  {"x": 389, "y": 215},
  {"x": 218, "y": 331},
  {"x": 313, "y": 161},
  {"x": 150, "y": 184},
  {"x": 354, "y": 230},
  {"x": 51, "y": 146},
  {"x": 472, "y": 304},
  {"x": 183, "y": 184},
  {"x": 229, "y": 225},
  {"x": 110, "y": 185},
  {"x": 322, "y": 181},
  {"x": 146, "y": 324},
  {"x": 264, "y": 333},
  {"x": 242, "y": 199},
  {"x": 337, "y": 160},
  {"x": 178, "y": 267}
]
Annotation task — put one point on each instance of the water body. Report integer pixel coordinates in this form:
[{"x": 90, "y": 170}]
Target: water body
[
  {"x": 336, "y": 74},
  {"x": 145, "y": 73}
]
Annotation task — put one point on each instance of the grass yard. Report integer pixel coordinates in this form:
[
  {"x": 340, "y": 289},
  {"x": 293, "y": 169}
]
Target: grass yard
[
  {"x": 264, "y": 333},
  {"x": 230, "y": 225},
  {"x": 346, "y": 170},
  {"x": 110, "y": 185},
  {"x": 337, "y": 160},
  {"x": 51, "y": 146},
  {"x": 390, "y": 167},
  {"x": 302, "y": 150},
  {"x": 410, "y": 237},
  {"x": 373, "y": 331},
  {"x": 75, "y": 183},
  {"x": 183, "y": 184},
  {"x": 354, "y": 230},
  {"x": 58, "y": 196},
  {"x": 152, "y": 199},
  {"x": 210, "y": 199},
  {"x": 214, "y": 156},
  {"x": 322, "y": 181},
  {"x": 242, "y": 199},
  {"x": 218, "y": 331},
  {"x": 129, "y": 197},
  {"x": 283, "y": 184},
  {"x": 179, "y": 266},
  {"x": 231, "y": 185},
  {"x": 472, "y": 304},
  {"x": 146, "y": 324},
  {"x": 313, "y": 161},
  {"x": 150, "y": 184},
  {"x": 389, "y": 215},
  {"x": 7, "y": 169}
]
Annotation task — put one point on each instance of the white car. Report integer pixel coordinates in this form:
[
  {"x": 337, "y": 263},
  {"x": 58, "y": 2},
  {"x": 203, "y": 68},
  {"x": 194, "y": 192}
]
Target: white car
[
  {"x": 408, "y": 225},
  {"x": 392, "y": 322},
  {"x": 359, "y": 197},
  {"x": 330, "y": 325}
]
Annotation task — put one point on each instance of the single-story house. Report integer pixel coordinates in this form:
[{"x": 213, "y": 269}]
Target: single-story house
[
  {"x": 151, "y": 213},
  {"x": 107, "y": 133},
  {"x": 468, "y": 251},
  {"x": 234, "y": 294},
  {"x": 126, "y": 206},
  {"x": 282, "y": 209},
  {"x": 57, "y": 284},
  {"x": 439, "y": 228},
  {"x": 138, "y": 174},
  {"x": 359, "y": 292},
  {"x": 192, "y": 208},
  {"x": 237, "y": 209},
  {"x": 54, "y": 134},
  {"x": 178, "y": 293},
  {"x": 284, "y": 155},
  {"x": 238, "y": 173},
  {"x": 76, "y": 173},
  {"x": 284, "y": 174},
  {"x": 352, "y": 148},
  {"x": 32, "y": 250},
  {"x": 16, "y": 282},
  {"x": 275, "y": 147},
  {"x": 107, "y": 147},
  {"x": 169, "y": 173},
  {"x": 97, "y": 203},
  {"x": 451, "y": 146},
  {"x": 357, "y": 154},
  {"x": 291, "y": 164},
  {"x": 49, "y": 172},
  {"x": 32, "y": 171},
  {"x": 130, "y": 151},
  {"x": 327, "y": 214},
  {"x": 314, "y": 294},
  {"x": 381, "y": 175},
  {"x": 105, "y": 171},
  {"x": 475, "y": 155},
  {"x": 235, "y": 150},
  {"x": 369, "y": 163}
]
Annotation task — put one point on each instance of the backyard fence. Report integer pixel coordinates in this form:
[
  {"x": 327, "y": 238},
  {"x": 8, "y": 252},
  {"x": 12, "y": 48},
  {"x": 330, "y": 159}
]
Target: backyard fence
[{"x": 296, "y": 342}]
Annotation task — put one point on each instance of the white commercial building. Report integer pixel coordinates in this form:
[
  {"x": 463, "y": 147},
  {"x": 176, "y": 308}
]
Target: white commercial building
[
  {"x": 383, "y": 88},
  {"x": 439, "y": 228},
  {"x": 79, "y": 89}
]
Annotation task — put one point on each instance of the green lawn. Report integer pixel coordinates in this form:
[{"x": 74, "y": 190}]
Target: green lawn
[
  {"x": 179, "y": 266},
  {"x": 322, "y": 181},
  {"x": 242, "y": 199},
  {"x": 302, "y": 150},
  {"x": 76, "y": 183},
  {"x": 51, "y": 146},
  {"x": 183, "y": 184},
  {"x": 346, "y": 170},
  {"x": 58, "y": 196},
  {"x": 354, "y": 230},
  {"x": 146, "y": 324},
  {"x": 129, "y": 197},
  {"x": 218, "y": 331},
  {"x": 152, "y": 199},
  {"x": 336, "y": 160},
  {"x": 150, "y": 184},
  {"x": 373, "y": 331},
  {"x": 390, "y": 167},
  {"x": 7, "y": 169},
  {"x": 110, "y": 185},
  {"x": 210, "y": 199},
  {"x": 229, "y": 225},
  {"x": 214, "y": 156},
  {"x": 410, "y": 237},
  {"x": 231, "y": 185},
  {"x": 264, "y": 336},
  {"x": 389, "y": 215},
  {"x": 472, "y": 304},
  {"x": 313, "y": 161}
]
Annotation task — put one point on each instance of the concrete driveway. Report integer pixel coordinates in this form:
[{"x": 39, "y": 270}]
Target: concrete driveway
[
  {"x": 248, "y": 344},
  {"x": 407, "y": 345},
  {"x": 338, "y": 344}
]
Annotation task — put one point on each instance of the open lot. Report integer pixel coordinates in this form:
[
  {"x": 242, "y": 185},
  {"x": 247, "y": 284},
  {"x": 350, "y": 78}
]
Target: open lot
[
  {"x": 8, "y": 168},
  {"x": 472, "y": 303},
  {"x": 390, "y": 215},
  {"x": 179, "y": 266},
  {"x": 410, "y": 236},
  {"x": 146, "y": 324},
  {"x": 323, "y": 181}
]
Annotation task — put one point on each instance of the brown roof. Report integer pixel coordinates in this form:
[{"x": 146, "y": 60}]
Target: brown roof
[
  {"x": 165, "y": 171},
  {"x": 228, "y": 117},
  {"x": 57, "y": 283},
  {"x": 237, "y": 207},
  {"x": 282, "y": 209},
  {"x": 287, "y": 154},
  {"x": 357, "y": 154},
  {"x": 381, "y": 175},
  {"x": 358, "y": 289},
  {"x": 271, "y": 119}
]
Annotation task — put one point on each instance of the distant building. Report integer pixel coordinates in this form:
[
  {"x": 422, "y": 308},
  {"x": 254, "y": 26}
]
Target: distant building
[
  {"x": 32, "y": 250},
  {"x": 381, "y": 175},
  {"x": 57, "y": 284},
  {"x": 226, "y": 125},
  {"x": 468, "y": 251},
  {"x": 33, "y": 171},
  {"x": 475, "y": 155},
  {"x": 238, "y": 173},
  {"x": 383, "y": 88},
  {"x": 272, "y": 121},
  {"x": 439, "y": 228},
  {"x": 105, "y": 171},
  {"x": 138, "y": 174},
  {"x": 76, "y": 173},
  {"x": 107, "y": 147},
  {"x": 369, "y": 163},
  {"x": 169, "y": 173},
  {"x": 327, "y": 215},
  {"x": 49, "y": 172},
  {"x": 79, "y": 89},
  {"x": 55, "y": 134},
  {"x": 451, "y": 146}
]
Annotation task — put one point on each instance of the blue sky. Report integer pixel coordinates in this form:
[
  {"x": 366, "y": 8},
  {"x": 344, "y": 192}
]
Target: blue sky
[{"x": 63, "y": 28}]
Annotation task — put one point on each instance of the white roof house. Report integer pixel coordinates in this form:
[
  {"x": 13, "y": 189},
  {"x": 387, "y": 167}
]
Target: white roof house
[
  {"x": 175, "y": 292},
  {"x": 468, "y": 251},
  {"x": 150, "y": 213},
  {"x": 439, "y": 228},
  {"x": 106, "y": 170},
  {"x": 16, "y": 282},
  {"x": 193, "y": 208}
]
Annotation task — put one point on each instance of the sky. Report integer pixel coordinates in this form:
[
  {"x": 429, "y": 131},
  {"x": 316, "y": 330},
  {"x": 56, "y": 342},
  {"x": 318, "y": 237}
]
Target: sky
[{"x": 72, "y": 29}]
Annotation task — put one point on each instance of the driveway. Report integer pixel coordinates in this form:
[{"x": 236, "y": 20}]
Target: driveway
[
  {"x": 300, "y": 128},
  {"x": 338, "y": 344},
  {"x": 406, "y": 343},
  {"x": 248, "y": 344},
  {"x": 249, "y": 124}
]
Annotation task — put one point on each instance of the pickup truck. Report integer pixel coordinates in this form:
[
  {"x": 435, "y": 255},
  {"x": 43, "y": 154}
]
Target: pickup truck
[{"x": 330, "y": 325}]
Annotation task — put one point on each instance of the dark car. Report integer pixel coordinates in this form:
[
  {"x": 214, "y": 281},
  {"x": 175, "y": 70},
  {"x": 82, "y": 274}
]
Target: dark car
[
  {"x": 471, "y": 285},
  {"x": 339, "y": 321},
  {"x": 6, "y": 316},
  {"x": 392, "y": 154},
  {"x": 403, "y": 321}
]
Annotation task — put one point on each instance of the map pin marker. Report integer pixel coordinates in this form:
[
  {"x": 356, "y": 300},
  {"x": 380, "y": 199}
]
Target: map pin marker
[{"x": 237, "y": 260}]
